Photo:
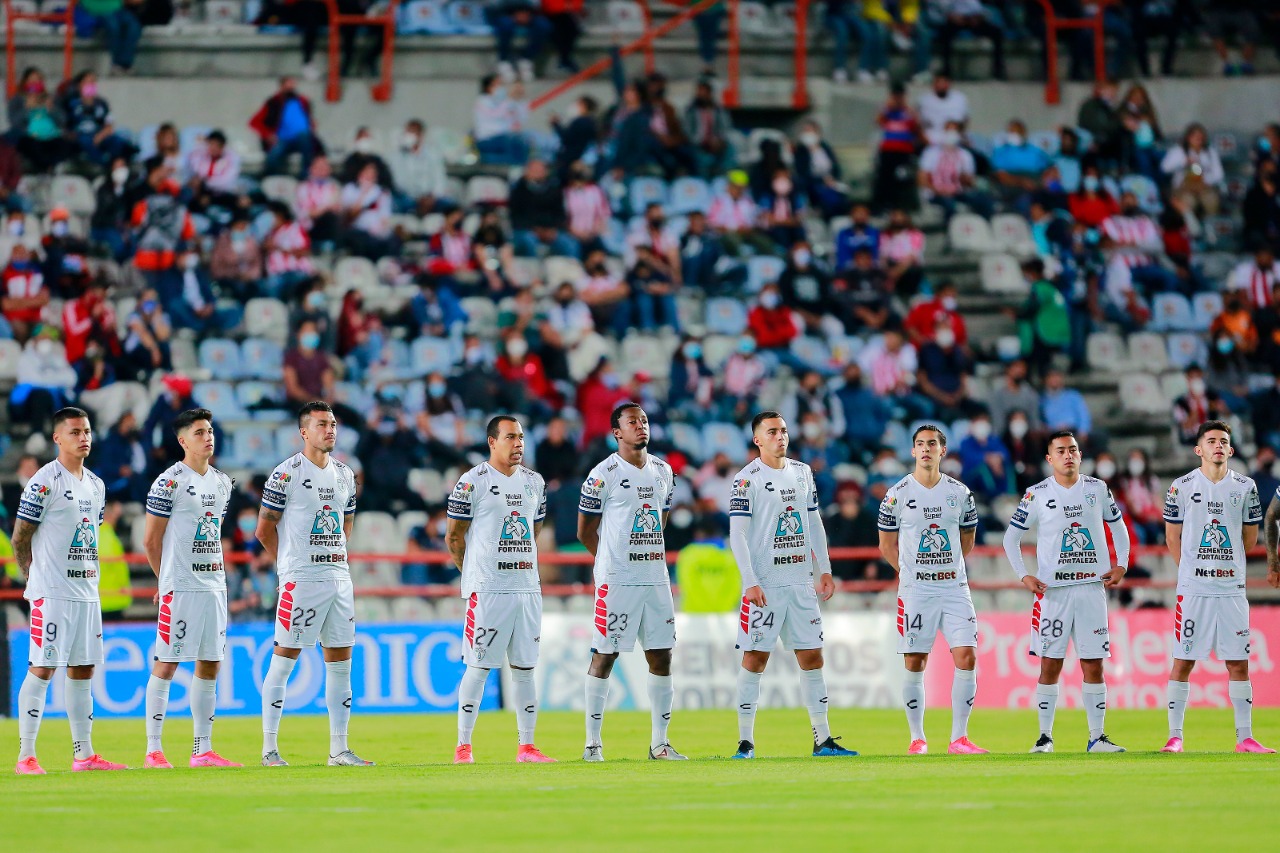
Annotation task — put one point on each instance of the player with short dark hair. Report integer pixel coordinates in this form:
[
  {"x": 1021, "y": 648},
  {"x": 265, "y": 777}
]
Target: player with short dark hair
[
  {"x": 928, "y": 522},
  {"x": 1070, "y": 586},
  {"x": 186, "y": 507},
  {"x": 55, "y": 541},
  {"x": 621, "y": 516},
  {"x": 495, "y": 514},
  {"x": 1211, "y": 519},
  {"x": 306, "y": 494}
]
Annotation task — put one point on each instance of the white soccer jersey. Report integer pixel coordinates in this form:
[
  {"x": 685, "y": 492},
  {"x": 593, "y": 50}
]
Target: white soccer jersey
[
  {"x": 1071, "y": 545},
  {"x": 928, "y": 523},
  {"x": 195, "y": 506},
  {"x": 631, "y": 502},
  {"x": 314, "y": 502},
  {"x": 778, "y": 503},
  {"x": 64, "y": 549},
  {"x": 1212, "y": 515},
  {"x": 502, "y": 551}
]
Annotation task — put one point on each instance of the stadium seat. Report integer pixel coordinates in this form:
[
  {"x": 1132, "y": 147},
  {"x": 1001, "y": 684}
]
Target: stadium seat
[
  {"x": 1147, "y": 351},
  {"x": 430, "y": 355},
  {"x": 641, "y": 352},
  {"x": 1204, "y": 307},
  {"x": 812, "y": 351},
  {"x": 424, "y": 16},
  {"x": 1002, "y": 274},
  {"x": 261, "y": 358},
  {"x": 1105, "y": 351},
  {"x": 1186, "y": 349},
  {"x": 1013, "y": 235},
  {"x": 432, "y": 224},
  {"x": 222, "y": 358},
  {"x": 265, "y": 317},
  {"x": 10, "y": 352},
  {"x": 74, "y": 193},
  {"x": 644, "y": 192},
  {"x": 253, "y": 446},
  {"x": 407, "y": 520},
  {"x": 689, "y": 195},
  {"x": 377, "y": 534},
  {"x": 482, "y": 315},
  {"x": 558, "y": 269},
  {"x": 355, "y": 272},
  {"x": 429, "y": 485},
  {"x": 280, "y": 188},
  {"x": 688, "y": 439},
  {"x": 219, "y": 397},
  {"x": 760, "y": 134},
  {"x": 1140, "y": 393},
  {"x": 412, "y": 610},
  {"x": 726, "y": 316},
  {"x": 1047, "y": 141},
  {"x": 625, "y": 17},
  {"x": 1173, "y": 386},
  {"x": 762, "y": 270},
  {"x": 288, "y": 442},
  {"x": 1171, "y": 312},
  {"x": 728, "y": 438},
  {"x": 250, "y": 394},
  {"x": 397, "y": 355},
  {"x": 1145, "y": 190},
  {"x": 716, "y": 350},
  {"x": 353, "y": 396},
  {"x": 969, "y": 232},
  {"x": 486, "y": 189}
]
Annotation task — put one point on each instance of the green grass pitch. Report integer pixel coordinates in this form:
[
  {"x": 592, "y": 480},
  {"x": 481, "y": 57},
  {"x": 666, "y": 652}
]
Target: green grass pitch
[{"x": 1209, "y": 798}]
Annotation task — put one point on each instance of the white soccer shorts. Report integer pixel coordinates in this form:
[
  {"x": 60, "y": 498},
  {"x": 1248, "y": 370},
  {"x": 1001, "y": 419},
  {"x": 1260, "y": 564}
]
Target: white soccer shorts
[
  {"x": 1211, "y": 623},
  {"x": 1076, "y": 613},
  {"x": 311, "y": 611},
  {"x": 65, "y": 633},
  {"x": 192, "y": 626},
  {"x": 790, "y": 612},
  {"x": 502, "y": 626},
  {"x": 624, "y": 614},
  {"x": 920, "y": 617}
]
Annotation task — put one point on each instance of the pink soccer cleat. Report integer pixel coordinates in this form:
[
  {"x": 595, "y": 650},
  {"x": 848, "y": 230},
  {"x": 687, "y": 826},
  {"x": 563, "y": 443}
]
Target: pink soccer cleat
[
  {"x": 95, "y": 762},
  {"x": 29, "y": 767},
  {"x": 1175, "y": 745},
  {"x": 530, "y": 754},
  {"x": 918, "y": 747},
  {"x": 156, "y": 761},
  {"x": 462, "y": 755},
  {"x": 212, "y": 759},
  {"x": 964, "y": 746},
  {"x": 1251, "y": 745}
]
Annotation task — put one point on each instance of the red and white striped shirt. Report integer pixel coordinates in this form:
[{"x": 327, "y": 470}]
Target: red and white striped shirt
[
  {"x": 905, "y": 244},
  {"x": 222, "y": 174},
  {"x": 729, "y": 214},
  {"x": 287, "y": 238},
  {"x": 946, "y": 167},
  {"x": 1134, "y": 237},
  {"x": 23, "y": 284},
  {"x": 1256, "y": 282},
  {"x": 588, "y": 209},
  {"x": 454, "y": 249},
  {"x": 315, "y": 197}
]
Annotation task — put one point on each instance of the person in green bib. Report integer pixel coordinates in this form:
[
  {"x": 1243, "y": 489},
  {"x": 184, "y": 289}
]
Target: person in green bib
[
  {"x": 113, "y": 571},
  {"x": 707, "y": 573},
  {"x": 1044, "y": 323}
]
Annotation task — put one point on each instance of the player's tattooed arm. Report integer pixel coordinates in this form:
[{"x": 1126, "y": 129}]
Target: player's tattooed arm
[
  {"x": 455, "y": 538},
  {"x": 23, "y": 531},
  {"x": 889, "y": 548},
  {"x": 266, "y": 532},
  {"x": 589, "y": 531},
  {"x": 968, "y": 535},
  {"x": 1272, "y": 527},
  {"x": 348, "y": 525}
]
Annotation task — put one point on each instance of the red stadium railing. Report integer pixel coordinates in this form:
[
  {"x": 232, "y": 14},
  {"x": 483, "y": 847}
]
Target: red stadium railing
[
  {"x": 556, "y": 558},
  {"x": 1053, "y": 24},
  {"x": 64, "y": 17},
  {"x": 381, "y": 90}
]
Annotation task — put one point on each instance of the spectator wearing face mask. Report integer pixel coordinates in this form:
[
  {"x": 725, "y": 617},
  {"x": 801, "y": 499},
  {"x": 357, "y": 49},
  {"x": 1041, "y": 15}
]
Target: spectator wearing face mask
[
  {"x": 596, "y": 397},
  {"x": 428, "y": 538},
  {"x": 1201, "y": 403},
  {"x": 1065, "y": 408},
  {"x": 364, "y": 153},
  {"x": 1017, "y": 164},
  {"x": 1257, "y": 279},
  {"x": 1228, "y": 370},
  {"x": 113, "y": 205},
  {"x": 196, "y": 307},
  {"x": 708, "y": 125},
  {"x": 1092, "y": 204},
  {"x": 902, "y": 255},
  {"x": 944, "y": 376},
  {"x": 890, "y": 367},
  {"x": 943, "y": 309},
  {"x": 146, "y": 346},
  {"x": 948, "y": 174},
  {"x": 736, "y": 217},
  {"x": 900, "y": 136},
  {"x": 566, "y": 325},
  {"x": 23, "y": 294},
  {"x": 743, "y": 377},
  {"x": 806, "y": 289},
  {"x": 308, "y": 375},
  {"x": 860, "y": 234},
  {"x": 587, "y": 209},
  {"x": 162, "y": 230},
  {"x": 691, "y": 387},
  {"x": 495, "y": 127},
  {"x": 1026, "y": 450},
  {"x": 713, "y": 482},
  {"x": 606, "y": 294},
  {"x": 418, "y": 173},
  {"x": 865, "y": 414},
  {"x": 318, "y": 203},
  {"x": 90, "y": 122},
  {"x": 773, "y": 327},
  {"x": 851, "y": 526},
  {"x": 236, "y": 262},
  {"x": 987, "y": 467},
  {"x": 312, "y": 306},
  {"x": 517, "y": 365},
  {"x": 861, "y": 295},
  {"x": 818, "y": 172},
  {"x": 45, "y": 380},
  {"x": 1140, "y": 491},
  {"x": 1196, "y": 171},
  {"x": 288, "y": 253},
  {"x": 780, "y": 210}
]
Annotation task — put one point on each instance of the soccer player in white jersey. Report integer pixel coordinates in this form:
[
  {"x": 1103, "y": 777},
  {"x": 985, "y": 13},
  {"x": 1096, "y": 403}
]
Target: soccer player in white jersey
[
  {"x": 621, "y": 517},
  {"x": 922, "y": 520},
  {"x": 780, "y": 545},
  {"x": 495, "y": 515},
  {"x": 55, "y": 541},
  {"x": 183, "y": 540},
  {"x": 1211, "y": 519},
  {"x": 1071, "y": 582},
  {"x": 298, "y": 525}
]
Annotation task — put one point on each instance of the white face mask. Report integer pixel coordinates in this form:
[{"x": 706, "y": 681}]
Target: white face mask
[
  {"x": 58, "y": 229},
  {"x": 190, "y": 262},
  {"x": 809, "y": 139},
  {"x": 1105, "y": 469},
  {"x": 517, "y": 347},
  {"x": 950, "y": 303},
  {"x": 951, "y": 138},
  {"x": 803, "y": 257},
  {"x": 681, "y": 518},
  {"x": 811, "y": 431},
  {"x": 1018, "y": 428},
  {"x": 44, "y": 346},
  {"x": 945, "y": 337},
  {"x": 364, "y": 145},
  {"x": 1016, "y": 140},
  {"x": 1196, "y": 386},
  {"x": 1137, "y": 466},
  {"x": 770, "y": 299},
  {"x": 120, "y": 175},
  {"x": 981, "y": 430},
  {"x": 409, "y": 141}
]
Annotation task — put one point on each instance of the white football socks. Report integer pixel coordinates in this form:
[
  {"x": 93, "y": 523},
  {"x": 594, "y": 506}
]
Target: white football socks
[
  {"x": 597, "y": 698},
  {"x": 31, "y": 698},
  {"x": 204, "y": 699},
  {"x": 157, "y": 707},
  {"x": 1241, "y": 693},
  {"x": 814, "y": 687},
  {"x": 748, "y": 702},
  {"x": 913, "y": 701},
  {"x": 470, "y": 692},
  {"x": 1046, "y": 706},
  {"x": 662, "y": 695},
  {"x": 1177, "y": 692},
  {"x": 525, "y": 694},
  {"x": 80, "y": 715},
  {"x": 337, "y": 699},
  {"x": 1094, "y": 697},
  {"x": 274, "y": 687},
  {"x": 964, "y": 689}
]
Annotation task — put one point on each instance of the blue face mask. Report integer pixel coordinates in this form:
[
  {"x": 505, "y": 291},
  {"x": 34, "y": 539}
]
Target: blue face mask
[
  {"x": 747, "y": 346},
  {"x": 311, "y": 340},
  {"x": 693, "y": 351},
  {"x": 436, "y": 389},
  {"x": 248, "y": 524},
  {"x": 148, "y": 306},
  {"x": 1264, "y": 144},
  {"x": 1225, "y": 345}
]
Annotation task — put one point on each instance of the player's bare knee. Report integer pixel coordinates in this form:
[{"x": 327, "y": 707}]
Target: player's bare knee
[
  {"x": 915, "y": 662},
  {"x": 659, "y": 661},
  {"x": 80, "y": 673},
  {"x": 337, "y": 655},
  {"x": 283, "y": 652},
  {"x": 1237, "y": 670},
  {"x": 1050, "y": 670},
  {"x": 809, "y": 659},
  {"x": 601, "y": 665},
  {"x": 964, "y": 657},
  {"x": 42, "y": 672},
  {"x": 1181, "y": 670},
  {"x": 755, "y": 661},
  {"x": 206, "y": 669},
  {"x": 1091, "y": 670},
  {"x": 166, "y": 669}
]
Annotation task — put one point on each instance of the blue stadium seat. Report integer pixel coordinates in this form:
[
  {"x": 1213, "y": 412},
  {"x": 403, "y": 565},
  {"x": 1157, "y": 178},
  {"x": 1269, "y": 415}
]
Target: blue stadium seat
[
  {"x": 1171, "y": 312},
  {"x": 397, "y": 354},
  {"x": 261, "y": 358},
  {"x": 253, "y": 446},
  {"x": 1145, "y": 189},
  {"x": 1204, "y": 307},
  {"x": 646, "y": 191},
  {"x": 192, "y": 137},
  {"x": 812, "y": 351},
  {"x": 250, "y": 394},
  {"x": 689, "y": 195},
  {"x": 762, "y": 270},
  {"x": 430, "y": 355},
  {"x": 424, "y": 16},
  {"x": 1047, "y": 141},
  {"x": 222, "y": 358},
  {"x": 728, "y": 438},
  {"x": 288, "y": 441},
  {"x": 1186, "y": 349},
  {"x": 219, "y": 398},
  {"x": 468, "y": 18},
  {"x": 688, "y": 438},
  {"x": 353, "y": 396}
]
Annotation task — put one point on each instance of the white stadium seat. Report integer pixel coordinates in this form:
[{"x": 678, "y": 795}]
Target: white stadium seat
[
  {"x": 1140, "y": 393},
  {"x": 969, "y": 232}
]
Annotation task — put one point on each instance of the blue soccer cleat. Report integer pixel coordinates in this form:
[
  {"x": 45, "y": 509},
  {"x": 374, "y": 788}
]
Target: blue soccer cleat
[
  {"x": 746, "y": 749},
  {"x": 830, "y": 749}
]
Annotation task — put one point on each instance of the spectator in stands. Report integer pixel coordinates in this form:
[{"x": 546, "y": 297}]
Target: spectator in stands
[
  {"x": 708, "y": 124},
  {"x": 1228, "y": 370},
  {"x": 772, "y": 326},
  {"x": 629, "y": 141},
  {"x": 162, "y": 228},
  {"x": 236, "y": 262},
  {"x": 605, "y": 294},
  {"x": 987, "y": 466},
  {"x": 1267, "y": 321},
  {"x": 814, "y": 397},
  {"x": 312, "y": 306},
  {"x": 285, "y": 126},
  {"x": 701, "y": 254},
  {"x": 1092, "y": 204},
  {"x": 1015, "y": 394},
  {"x": 428, "y": 538},
  {"x": 1135, "y": 243},
  {"x": 90, "y": 123},
  {"x": 852, "y": 527},
  {"x": 90, "y": 317},
  {"x": 900, "y": 136},
  {"x": 537, "y": 208},
  {"x": 1100, "y": 117},
  {"x": 859, "y": 234},
  {"x": 1201, "y": 403},
  {"x": 818, "y": 172},
  {"x": 146, "y": 345},
  {"x": 674, "y": 151},
  {"x": 691, "y": 391},
  {"x": 364, "y": 151},
  {"x": 494, "y": 126},
  {"x": 1044, "y": 320},
  {"x": 157, "y": 430},
  {"x": 781, "y": 211},
  {"x": 1261, "y": 208},
  {"x": 44, "y": 381},
  {"x": 587, "y": 209},
  {"x": 450, "y": 250},
  {"x": 806, "y": 289},
  {"x": 891, "y": 366},
  {"x": 1026, "y": 449},
  {"x": 865, "y": 413},
  {"x": 195, "y": 307},
  {"x": 522, "y": 21},
  {"x": 1142, "y": 132},
  {"x": 566, "y": 325},
  {"x": 1064, "y": 408},
  {"x": 288, "y": 253},
  {"x": 742, "y": 380},
  {"x": 10, "y": 176},
  {"x": 308, "y": 375},
  {"x": 1017, "y": 165},
  {"x": 968, "y": 16},
  {"x": 901, "y": 22},
  {"x": 659, "y": 239},
  {"x": 1258, "y": 278},
  {"x": 113, "y": 207},
  {"x": 121, "y": 459},
  {"x": 93, "y": 373},
  {"x": 1196, "y": 171},
  {"x": 1068, "y": 159},
  {"x": 37, "y": 125},
  {"x": 943, "y": 309},
  {"x": 1233, "y": 331},
  {"x": 388, "y": 450},
  {"x": 310, "y": 16},
  {"x": 861, "y": 293},
  {"x": 436, "y": 311},
  {"x": 902, "y": 254},
  {"x": 318, "y": 204},
  {"x": 735, "y": 216},
  {"x": 653, "y": 286},
  {"x": 843, "y": 19},
  {"x": 944, "y": 376},
  {"x": 565, "y": 18},
  {"x": 948, "y": 174},
  {"x": 940, "y": 106},
  {"x": 579, "y": 136},
  {"x": 418, "y": 173},
  {"x": 215, "y": 174},
  {"x": 558, "y": 458},
  {"x": 24, "y": 294},
  {"x": 1223, "y": 18},
  {"x": 168, "y": 148},
  {"x": 596, "y": 397},
  {"x": 366, "y": 207}
]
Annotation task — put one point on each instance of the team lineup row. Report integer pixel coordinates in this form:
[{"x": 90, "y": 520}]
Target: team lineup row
[{"x": 927, "y": 524}]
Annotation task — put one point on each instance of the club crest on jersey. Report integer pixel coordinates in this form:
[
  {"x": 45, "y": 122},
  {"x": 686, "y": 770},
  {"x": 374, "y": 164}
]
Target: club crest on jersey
[
  {"x": 951, "y": 501},
  {"x": 1077, "y": 545},
  {"x": 1235, "y": 499},
  {"x": 1091, "y": 499}
]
